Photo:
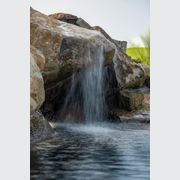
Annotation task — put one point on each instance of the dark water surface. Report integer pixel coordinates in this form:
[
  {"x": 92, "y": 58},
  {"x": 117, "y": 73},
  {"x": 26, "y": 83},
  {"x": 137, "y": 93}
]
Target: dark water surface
[{"x": 93, "y": 152}]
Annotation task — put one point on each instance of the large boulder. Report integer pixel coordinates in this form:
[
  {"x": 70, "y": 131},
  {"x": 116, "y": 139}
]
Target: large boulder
[
  {"x": 67, "y": 48},
  {"x": 37, "y": 94}
]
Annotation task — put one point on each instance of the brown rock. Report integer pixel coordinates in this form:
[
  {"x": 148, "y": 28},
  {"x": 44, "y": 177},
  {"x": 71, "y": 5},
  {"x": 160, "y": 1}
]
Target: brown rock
[
  {"x": 69, "y": 18},
  {"x": 66, "y": 47},
  {"x": 121, "y": 45},
  {"x": 128, "y": 73},
  {"x": 38, "y": 57},
  {"x": 37, "y": 94},
  {"x": 134, "y": 99}
]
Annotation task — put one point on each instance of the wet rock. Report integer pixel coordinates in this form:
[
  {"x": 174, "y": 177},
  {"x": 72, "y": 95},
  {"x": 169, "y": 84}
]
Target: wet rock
[
  {"x": 37, "y": 94},
  {"x": 113, "y": 117},
  {"x": 111, "y": 87},
  {"x": 134, "y": 99},
  {"x": 128, "y": 73},
  {"x": 142, "y": 117},
  {"x": 67, "y": 49},
  {"x": 119, "y": 116},
  {"x": 40, "y": 129},
  {"x": 147, "y": 70}
]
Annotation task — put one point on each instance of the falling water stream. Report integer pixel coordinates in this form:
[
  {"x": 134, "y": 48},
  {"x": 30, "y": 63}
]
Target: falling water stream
[
  {"x": 86, "y": 96},
  {"x": 94, "y": 149}
]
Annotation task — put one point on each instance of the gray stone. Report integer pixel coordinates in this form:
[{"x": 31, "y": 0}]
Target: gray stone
[
  {"x": 40, "y": 129},
  {"x": 82, "y": 23},
  {"x": 134, "y": 99}
]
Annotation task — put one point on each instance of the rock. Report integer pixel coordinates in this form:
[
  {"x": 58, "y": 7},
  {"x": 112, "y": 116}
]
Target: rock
[
  {"x": 38, "y": 57},
  {"x": 128, "y": 73},
  {"x": 37, "y": 94},
  {"x": 63, "y": 44},
  {"x": 129, "y": 117},
  {"x": 40, "y": 129},
  {"x": 113, "y": 116},
  {"x": 121, "y": 45},
  {"x": 134, "y": 99},
  {"x": 66, "y": 47},
  {"x": 82, "y": 23},
  {"x": 147, "y": 70},
  {"x": 111, "y": 87},
  {"x": 69, "y": 18}
]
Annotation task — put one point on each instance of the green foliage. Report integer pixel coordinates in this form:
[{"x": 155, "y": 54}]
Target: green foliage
[{"x": 141, "y": 54}]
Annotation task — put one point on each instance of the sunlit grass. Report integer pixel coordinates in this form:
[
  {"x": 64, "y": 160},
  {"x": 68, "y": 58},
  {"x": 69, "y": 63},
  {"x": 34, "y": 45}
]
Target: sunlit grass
[{"x": 141, "y": 54}]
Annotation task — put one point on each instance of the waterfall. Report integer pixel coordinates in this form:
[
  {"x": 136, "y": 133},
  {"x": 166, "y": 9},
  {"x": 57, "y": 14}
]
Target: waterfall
[
  {"x": 92, "y": 85},
  {"x": 86, "y": 97}
]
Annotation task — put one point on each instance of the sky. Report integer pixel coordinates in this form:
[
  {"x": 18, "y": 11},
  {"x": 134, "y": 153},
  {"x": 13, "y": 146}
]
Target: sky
[{"x": 121, "y": 19}]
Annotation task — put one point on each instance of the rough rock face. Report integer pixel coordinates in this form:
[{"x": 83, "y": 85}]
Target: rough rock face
[
  {"x": 134, "y": 99},
  {"x": 130, "y": 116},
  {"x": 129, "y": 74},
  {"x": 38, "y": 57},
  {"x": 121, "y": 45},
  {"x": 69, "y": 18},
  {"x": 37, "y": 95},
  {"x": 147, "y": 70},
  {"x": 40, "y": 129}
]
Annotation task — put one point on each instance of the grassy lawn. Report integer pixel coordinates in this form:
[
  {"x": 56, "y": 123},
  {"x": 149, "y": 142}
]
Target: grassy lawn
[{"x": 139, "y": 55}]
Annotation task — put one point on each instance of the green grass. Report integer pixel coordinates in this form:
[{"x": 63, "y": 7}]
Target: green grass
[{"x": 139, "y": 55}]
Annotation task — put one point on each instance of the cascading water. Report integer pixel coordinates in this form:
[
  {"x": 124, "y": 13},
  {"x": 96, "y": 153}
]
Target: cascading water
[
  {"x": 92, "y": 85},
  {"x": 86, "y": 96}
]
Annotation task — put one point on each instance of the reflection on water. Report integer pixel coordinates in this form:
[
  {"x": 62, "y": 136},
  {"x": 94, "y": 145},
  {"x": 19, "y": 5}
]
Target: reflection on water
[{"x": 95, "y": 152}]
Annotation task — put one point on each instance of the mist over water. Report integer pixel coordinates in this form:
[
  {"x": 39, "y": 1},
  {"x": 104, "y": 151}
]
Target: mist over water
[{"x": 88, "y": 152}]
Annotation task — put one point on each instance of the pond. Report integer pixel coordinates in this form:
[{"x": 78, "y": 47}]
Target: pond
[{"x": 117, "y": 151}]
